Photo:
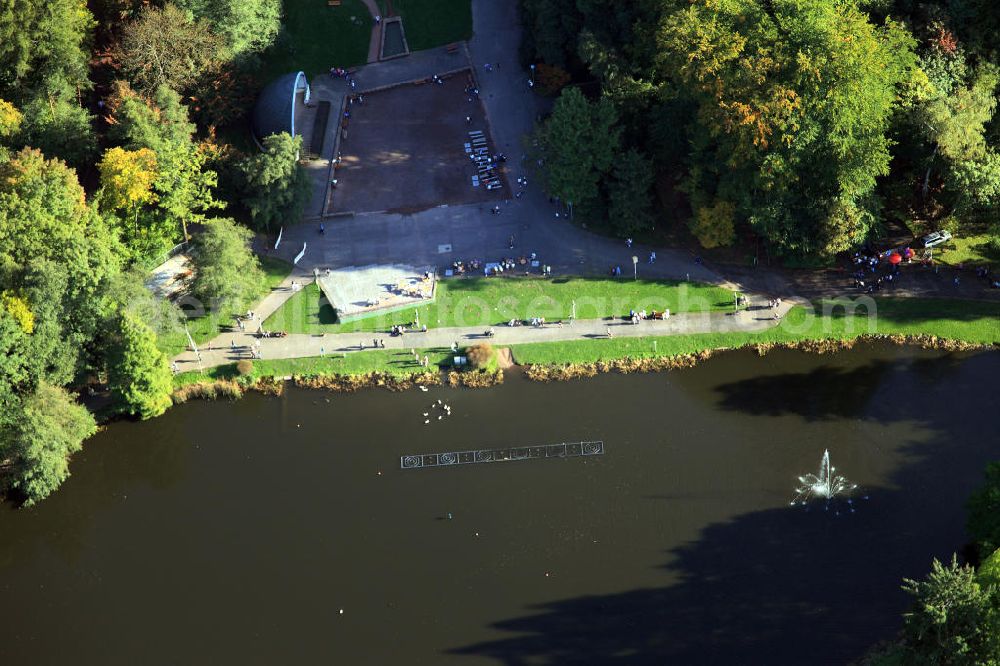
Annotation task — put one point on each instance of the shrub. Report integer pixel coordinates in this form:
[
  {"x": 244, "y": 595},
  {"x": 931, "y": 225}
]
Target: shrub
[
  {"x": 244, "y": 366},
  {"x": 480, "y": 355}
]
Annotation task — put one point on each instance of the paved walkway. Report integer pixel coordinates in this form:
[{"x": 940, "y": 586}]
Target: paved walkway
[
  {"x": 375, "y": 43},
  {"x": 233, "y": 347}
]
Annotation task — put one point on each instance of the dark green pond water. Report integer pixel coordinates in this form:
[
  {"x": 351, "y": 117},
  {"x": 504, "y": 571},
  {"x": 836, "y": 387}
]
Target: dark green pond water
[
  {"x": 393, "y": 44},
  {"x": 238, "y": 532}
]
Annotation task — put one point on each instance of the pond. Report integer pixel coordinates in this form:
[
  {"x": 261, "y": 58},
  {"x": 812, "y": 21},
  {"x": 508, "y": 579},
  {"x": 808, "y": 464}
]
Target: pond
[
  {"x": 282, "y": 530},
  {"x": 393, "y": 42}
]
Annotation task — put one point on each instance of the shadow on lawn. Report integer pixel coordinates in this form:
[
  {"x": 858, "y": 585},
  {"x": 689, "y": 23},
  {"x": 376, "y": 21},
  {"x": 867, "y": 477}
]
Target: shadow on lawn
[
  {"x": 916, "y": 310},
  {"x": 473, "y": 284}
]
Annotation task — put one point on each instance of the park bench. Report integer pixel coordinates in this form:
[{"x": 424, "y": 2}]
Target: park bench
[
  {"x": 333, "y": 3},
  {"x": 452, "y": 48}
]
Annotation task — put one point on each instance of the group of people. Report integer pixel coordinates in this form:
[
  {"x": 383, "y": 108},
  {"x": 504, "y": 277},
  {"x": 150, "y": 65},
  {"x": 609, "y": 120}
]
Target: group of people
[
  {"x": 459, "y": 267},
  {"x": 867, "y": 275},
  {"x": 341, "y": 73},
  {"x": 636, "y": 316},
  {"x": 400, "y": 329},
  {"x": 536, "y": 322}
]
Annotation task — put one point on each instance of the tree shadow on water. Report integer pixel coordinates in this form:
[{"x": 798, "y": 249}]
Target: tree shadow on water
[
  {"x": 782, "y": 586},
  {"x": 830, "y": 392},
  {"x": 785, "y": 585}
]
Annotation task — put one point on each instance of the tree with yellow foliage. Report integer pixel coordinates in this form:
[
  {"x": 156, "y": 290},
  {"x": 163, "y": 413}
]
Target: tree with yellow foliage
[
  {"x": 18, "y": 308},
  {"x": 715, "y": 226},
  {"x": 127, "y": 178},
  {"x": 10, "y": 118}
]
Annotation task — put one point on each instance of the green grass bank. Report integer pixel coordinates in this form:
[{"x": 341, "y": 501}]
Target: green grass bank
[
  {"x": 492, "y": 301},
  {"x": 209, "y": 325},
  {"x": 975, "y": 323}
]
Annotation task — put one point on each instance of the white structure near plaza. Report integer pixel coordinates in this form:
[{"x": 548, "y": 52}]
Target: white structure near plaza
[{"x": 355, "y": 292}]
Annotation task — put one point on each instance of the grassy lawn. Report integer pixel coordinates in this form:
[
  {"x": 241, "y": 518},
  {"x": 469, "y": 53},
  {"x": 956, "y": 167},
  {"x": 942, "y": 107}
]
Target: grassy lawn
[
  {"x": 208, "y": 326},
  {"x": 318, "y": 37},
  {"x": 971, "y": 321},
  {"x": 430, "y": 23},
  {"x": 968, "y": 250},
  {"x": 492, "y": 301},
  {"x": 392, "y": 361}
]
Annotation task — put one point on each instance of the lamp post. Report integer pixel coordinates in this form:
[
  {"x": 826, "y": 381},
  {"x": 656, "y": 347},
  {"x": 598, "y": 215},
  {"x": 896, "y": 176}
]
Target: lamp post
[
  {"x": 635, "y": 267},
  {"x": 532, "y": 75}
]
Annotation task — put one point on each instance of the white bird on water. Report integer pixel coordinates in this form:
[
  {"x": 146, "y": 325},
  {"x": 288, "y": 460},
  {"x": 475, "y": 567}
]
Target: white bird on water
[{"x": 427, "y": 421}]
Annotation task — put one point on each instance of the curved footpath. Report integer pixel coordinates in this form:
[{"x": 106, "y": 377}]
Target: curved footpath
[
  {"x": 375, "y": 42},
  {"x": 228, "y": 348}
]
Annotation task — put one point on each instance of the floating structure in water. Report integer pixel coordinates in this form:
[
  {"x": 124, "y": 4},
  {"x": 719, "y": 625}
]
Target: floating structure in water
[
  {"x": 825, "y": 485},
  {"x": 563, "y": 450}
]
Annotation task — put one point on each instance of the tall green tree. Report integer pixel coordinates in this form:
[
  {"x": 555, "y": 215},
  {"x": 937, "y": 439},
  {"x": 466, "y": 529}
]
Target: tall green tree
[
  {"x": 43, "y": 47},
  {"x": 248, "y": 26},
  {"x": 139, "y": 374},
  {"x": 165, "y": 47},
  {"x": 630, "y": 193},
  {"x": 275, "y": 185},
  {"x": 59, "y": 253},
  {"x": 953, "y": 118},
  {"x": 184, "y": 185},
  {"x": 793, "y": 99},
  {"x": 50, "y": 427},
  {"x": 61, "y": 128},
  {"x": 954, "y": 619},
  {"x": 227, "y": 273},
  {"x": 578, "y": 145}
]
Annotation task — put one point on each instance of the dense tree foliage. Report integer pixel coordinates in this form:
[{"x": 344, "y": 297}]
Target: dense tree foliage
[
  {"x": 73, "y": 307},
  {"x": 630, "y": 202},
  {"x": 248, "y": 26},
  {"x": 59, "y": 253},
  {"x": 59, "y": 127},
  {"x": 127, "y": 177},
  {"x": 275, "y": 185},
  {"x": 227, "y": 271},
  {"x": 139, "y": 374},
  {"x": 43, "y": 47},
  {"x": 183, "y": 184},
  {"x": 577, "y": 146},
  {"x": 793, "y": 104},
  {"x": 954, "y": 620},
  {"x": 51, "y": 427},
  {"x": 57, "y": 258},
  {"x": 805, "y": 118}
]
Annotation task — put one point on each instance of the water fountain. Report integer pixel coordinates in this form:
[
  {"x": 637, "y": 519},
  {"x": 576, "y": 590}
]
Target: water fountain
[{"x": 825, "y": 485}]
